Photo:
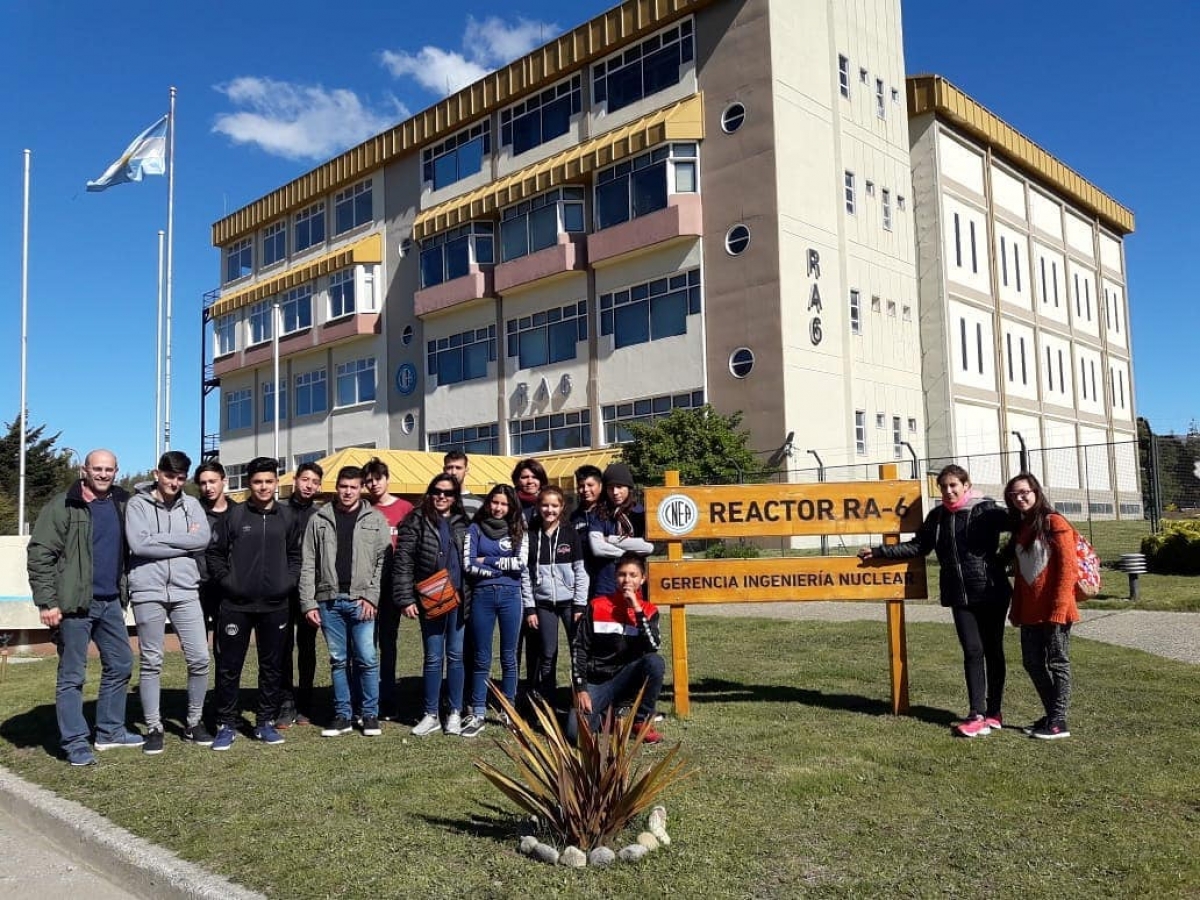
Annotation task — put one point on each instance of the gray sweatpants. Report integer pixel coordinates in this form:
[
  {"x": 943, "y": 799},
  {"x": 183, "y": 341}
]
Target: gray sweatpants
[
  {"x": 188, "y": 619},
  {"x": 1045, "y": 654}
]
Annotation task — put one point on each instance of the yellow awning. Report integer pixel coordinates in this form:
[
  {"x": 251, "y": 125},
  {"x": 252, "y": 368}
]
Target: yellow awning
[
  {"x": 682, "y": 121},
  {"x": 368, "y": 250}
]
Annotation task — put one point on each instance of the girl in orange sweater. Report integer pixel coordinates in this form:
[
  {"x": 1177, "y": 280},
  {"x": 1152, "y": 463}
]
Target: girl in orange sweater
[{"x": 1043, "y": 603}]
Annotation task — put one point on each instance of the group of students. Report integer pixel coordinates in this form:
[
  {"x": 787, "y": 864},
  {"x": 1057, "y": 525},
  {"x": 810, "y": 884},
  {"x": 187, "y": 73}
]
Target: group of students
[{"x": 965, "y": 533}]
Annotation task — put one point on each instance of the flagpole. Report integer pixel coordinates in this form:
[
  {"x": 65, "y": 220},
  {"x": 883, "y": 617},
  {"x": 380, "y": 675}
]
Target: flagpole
[
  {"x": 24, "y": 347},
  {"x": 170, "y": 261},
  {"x": 158, "y": 357},
  {"x": 276, "y": 322}
]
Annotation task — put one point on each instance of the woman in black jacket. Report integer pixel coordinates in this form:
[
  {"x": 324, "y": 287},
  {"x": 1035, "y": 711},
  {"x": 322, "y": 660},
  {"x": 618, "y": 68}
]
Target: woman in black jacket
[
  {"x": 964, "y": 531},
  {"x": 429, "y": 540}
]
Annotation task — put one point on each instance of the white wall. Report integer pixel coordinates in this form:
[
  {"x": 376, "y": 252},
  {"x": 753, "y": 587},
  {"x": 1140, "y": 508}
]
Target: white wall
[
  {"x": 1018, "y": 352},
  {"x": 1045, "y": 214},
  {"x": 1008, "y": 192}
]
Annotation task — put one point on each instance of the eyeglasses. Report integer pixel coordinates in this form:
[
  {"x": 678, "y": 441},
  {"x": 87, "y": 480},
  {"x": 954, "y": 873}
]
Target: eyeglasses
[
  {"x": 1015, "y": 494},
  {"x": 441, "y": 492}
]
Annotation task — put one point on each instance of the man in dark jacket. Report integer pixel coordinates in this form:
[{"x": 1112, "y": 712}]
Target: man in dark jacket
[
  {"x": 300, "y": 637},
  {"x": 77, "y": 565},
  {"x": 255, "y": 559}
]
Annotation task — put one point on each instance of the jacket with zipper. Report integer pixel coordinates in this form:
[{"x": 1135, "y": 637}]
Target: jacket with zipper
[
  {"x": 556, "y": 567},
  {"x": 318, "y": 568},
  {"x": 609, "y": 637},
  {"x": 163, "y": 543},
  {"x": 254, "y": 557},
  {"x": 419, "y": 555}
]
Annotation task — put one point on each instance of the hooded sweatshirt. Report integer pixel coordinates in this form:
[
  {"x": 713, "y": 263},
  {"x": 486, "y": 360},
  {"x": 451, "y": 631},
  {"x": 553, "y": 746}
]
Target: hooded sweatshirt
[{"x": 163, "y": 544}]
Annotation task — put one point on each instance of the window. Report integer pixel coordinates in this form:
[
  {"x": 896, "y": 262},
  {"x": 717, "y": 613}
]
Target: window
[
  {"x": 869, "y": 186},
  {"x": 650, "y": 311},
  {"x": 619, "y": 415},
  {"x": 880, "y": 108},
  {"x": 409, "y": 422},
  {"x": 239, "y": 259},
  {"x": 974, "y": 259},
  {"x": 471, "y": 439},
  {"x": 1054, "y": 280},
  {"x": 895, "y": 95},
  {"x": 239, "y": 409},
  {"x": 860, "y": 432},
  {"x": 843, "y": 76},
  {"x": 463, "y": 356},
  {"x": 741, "y": 362},
  {"x": 906, "y": 312},
  {"x": 855, "y": 313},
  {"x": 733, "y": 117},
  {"x": 912, "y": 426},
  {"x": 406, "y": 336},
  {"x": 310, "y": 226},
  {"x": 297, "y": 309},
  {"x": 886, "y": 198},
  {"x": 314, "y": 456},
  {"x": 849, "y": 191},
  {"x": 864, "y": 76},
  {"x": 1003, "y": 261},
  {"x": 548, "y": 337},
  {"x": 225, "y": 335},
  {"x": 560, "y": 431},
  {"x": 268, "y": 404},
  {"x": 235, "y": 477},
  {"x": 880, "y": 420},
  {"x": 899, "y": 201},
  {"x": 274, "y": 243},
  {"x": 535, "y": 224},
  {"x": 957, "y": 242},
  {"x": 341, "y": 293},
  {"x": 352, "y": 207},
  {"x": 641, "y": 185},
  {"x": 979, "y": 346},
  {"x": 356, "y": 381},
  {"x": 643, "y": 69},
  {"x": 312, "y": 393},
  {"x": 450, "y": 255},
  {"x": 876, "y": 305},
  {"x": 891, "y": 308},
  {"x": 262, "y": 322},
  {"x": 542, "y": 117},
  {"x": 458, "y": 156},
  {"x": 897, "y": 438},
  {"x": 737, "y": 239}
]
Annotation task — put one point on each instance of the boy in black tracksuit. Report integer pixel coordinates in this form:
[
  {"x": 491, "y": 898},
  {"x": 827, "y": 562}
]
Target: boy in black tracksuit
[{"x": 255, "y": 560}]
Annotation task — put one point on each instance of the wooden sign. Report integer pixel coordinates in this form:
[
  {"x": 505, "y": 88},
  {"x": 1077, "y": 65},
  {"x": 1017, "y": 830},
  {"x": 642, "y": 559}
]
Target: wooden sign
[
  {"x": 792, "y": 578},
  {"x": 764, "y": 510}
]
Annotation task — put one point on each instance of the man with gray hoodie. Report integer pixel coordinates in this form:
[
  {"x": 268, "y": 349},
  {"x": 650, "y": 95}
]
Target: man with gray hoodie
[{"x": 165, "y": 530}]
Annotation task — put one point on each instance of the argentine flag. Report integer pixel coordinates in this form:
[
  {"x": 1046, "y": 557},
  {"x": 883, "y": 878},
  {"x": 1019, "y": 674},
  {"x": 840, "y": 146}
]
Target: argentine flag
[{"x": 147, "y": 155}]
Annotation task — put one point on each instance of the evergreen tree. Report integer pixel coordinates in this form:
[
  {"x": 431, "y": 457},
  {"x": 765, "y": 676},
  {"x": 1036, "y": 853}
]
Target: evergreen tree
[
  {"x": 48, "y": 470},
  {"x": 705, "y": 446}
]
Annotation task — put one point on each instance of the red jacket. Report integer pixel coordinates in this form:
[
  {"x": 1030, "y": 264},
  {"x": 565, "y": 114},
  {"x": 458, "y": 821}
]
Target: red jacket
[{"x": 1046, "y": 573}]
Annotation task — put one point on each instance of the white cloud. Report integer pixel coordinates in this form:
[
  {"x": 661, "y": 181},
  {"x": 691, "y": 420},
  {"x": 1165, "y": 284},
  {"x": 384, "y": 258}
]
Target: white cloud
[
  {"x": 487, "y": 45},
  {"x": 298, "y": 121}
]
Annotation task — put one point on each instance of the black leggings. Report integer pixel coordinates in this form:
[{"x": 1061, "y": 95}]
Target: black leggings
[{"x": 980, "y": 628}]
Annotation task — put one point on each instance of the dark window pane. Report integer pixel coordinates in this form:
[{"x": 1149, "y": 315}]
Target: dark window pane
[
  {"x": 563, "y": 338},
  {"x": 513, "y": 239},
  {"x": 668, "y": 315},
  {"x": 649, "y": 189},
  {"x": 543, "y": 228},
  {"x": 470, "y": 157},
  {"x": 431, "y": 267},
  {"x": 533, "y": 348},
  {"x": 556, "y": 118},
  {"x": 449, "y": 367},
  {"x": 445, "y": 170},
  {"x": 612, "y": 203},
  {"x": 660, "y": 69},
  {"x": 457, "y": 258},
  {"x": 624, "y": 87},
  {"x": 631, "y": 325},
  {"x": 485, "y": 250},
  {"x": 527, "y": 132},
  {"x": 573, "y": 217},
  {"x": 475, "y": 361}
]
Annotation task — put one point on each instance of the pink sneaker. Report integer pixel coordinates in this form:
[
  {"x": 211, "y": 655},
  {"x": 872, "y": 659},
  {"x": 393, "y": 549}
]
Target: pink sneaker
[
  {"x": 976, "y": 726},
  {"x": 995, "y": 723}
]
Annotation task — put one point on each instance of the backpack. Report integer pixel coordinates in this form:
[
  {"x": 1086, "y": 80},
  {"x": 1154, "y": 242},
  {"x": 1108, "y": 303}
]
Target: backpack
[{"x": 1087, "y": 584}]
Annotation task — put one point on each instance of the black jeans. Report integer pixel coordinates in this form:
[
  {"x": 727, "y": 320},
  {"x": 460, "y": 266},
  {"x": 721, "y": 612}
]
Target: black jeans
[
  {"x": 1045, "y": 653},
  {"x": 387, "y": 639},
  {"x": 300, "y": 640},
  {"x": 980, "y": 628},
  {"x": 233, "y": 635},
  {"x": 542, "y": 644},
  {"x": 648, "y": 669}
]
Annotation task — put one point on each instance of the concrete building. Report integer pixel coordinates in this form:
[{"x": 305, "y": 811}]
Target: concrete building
[
  {"x": 1024, "y": 308},
  {"x": 677, "y": 202}
]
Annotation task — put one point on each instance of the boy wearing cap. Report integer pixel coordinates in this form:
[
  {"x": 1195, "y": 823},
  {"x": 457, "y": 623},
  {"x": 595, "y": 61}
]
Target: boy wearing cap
[{"x": 615, "y": 525}]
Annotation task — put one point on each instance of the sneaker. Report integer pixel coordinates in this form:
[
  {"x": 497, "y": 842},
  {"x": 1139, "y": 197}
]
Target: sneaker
[
  {"x": 339, "y": 726},
  {"x": 267, "y": 734},
  {"x": 1028, "y": 730},
  {"x": 975, "y": 726},
  {"x": 1051, "y": 731},
  {"x": 153, "y": 745},
  {"x": 454, "y": 723},
  {"x": 370, "y": 726},
  {"x": 286, "y": 718},
  {"x": 472, "y": 726},
  {"x": 427, "y": 725},
  {"x": 996, "y": 722},
  {"x": 646, "y": 730},
  {"x": 129, "y": 739},
  {"x": 198, "y": 734},
  {"x": 505, "y": 720},
  {"x": 82, "y": 756},
  {"x": 224, "y": 738}
]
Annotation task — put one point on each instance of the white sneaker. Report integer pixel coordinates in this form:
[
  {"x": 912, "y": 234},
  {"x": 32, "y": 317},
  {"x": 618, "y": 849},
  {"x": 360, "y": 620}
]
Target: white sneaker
[
  {"x": 454, "y": 723},
  {"x": 427, "y": 725}
]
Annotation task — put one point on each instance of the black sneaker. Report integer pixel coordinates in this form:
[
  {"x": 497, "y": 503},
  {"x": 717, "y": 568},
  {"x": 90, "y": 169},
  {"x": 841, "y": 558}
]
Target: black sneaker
[
  {"x": 197, "y": 734},
  {"x": 154, "y": 742},
  {"x": 339, "y": 726},
  {"x": 1051, "y": 731},
  {"x": 370, "y": 726},
  {"x": 287, "y": 717},
  {"x": 1028, "y": 730}
]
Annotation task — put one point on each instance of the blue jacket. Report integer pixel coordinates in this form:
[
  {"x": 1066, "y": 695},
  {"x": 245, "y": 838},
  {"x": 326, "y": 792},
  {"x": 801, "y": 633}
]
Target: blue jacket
[{"x": 486, "y": 559}]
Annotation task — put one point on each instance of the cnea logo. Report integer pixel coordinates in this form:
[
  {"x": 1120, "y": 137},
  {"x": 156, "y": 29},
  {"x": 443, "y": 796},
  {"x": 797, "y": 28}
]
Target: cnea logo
[{"x": 678, "y": 514}]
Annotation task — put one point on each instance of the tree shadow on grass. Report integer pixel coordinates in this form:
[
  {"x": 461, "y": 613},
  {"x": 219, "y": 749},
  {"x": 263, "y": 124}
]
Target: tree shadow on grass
[
  {"x": 718, "y": 690},
  {"x": 498, "y": 824}
]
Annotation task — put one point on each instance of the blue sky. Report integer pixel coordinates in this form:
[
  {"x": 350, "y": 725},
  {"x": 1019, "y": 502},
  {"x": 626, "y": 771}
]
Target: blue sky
[{"x": 267, "y": 91}]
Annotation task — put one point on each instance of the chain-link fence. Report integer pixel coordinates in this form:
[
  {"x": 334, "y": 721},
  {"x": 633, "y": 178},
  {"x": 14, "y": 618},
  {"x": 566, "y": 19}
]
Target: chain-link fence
[{"x": 1171, "y": 463}]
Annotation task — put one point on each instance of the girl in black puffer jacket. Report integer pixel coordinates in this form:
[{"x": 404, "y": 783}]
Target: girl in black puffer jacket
[{"x": 964, "y": 531}]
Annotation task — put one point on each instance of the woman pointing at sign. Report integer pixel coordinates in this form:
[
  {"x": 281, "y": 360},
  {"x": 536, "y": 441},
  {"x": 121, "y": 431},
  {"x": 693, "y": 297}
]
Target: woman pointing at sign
[{"x": 964, "y": 532}]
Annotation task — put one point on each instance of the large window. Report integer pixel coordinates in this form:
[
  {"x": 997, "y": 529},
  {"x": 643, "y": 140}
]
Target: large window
[
  {"x": 312, "y": 393},
  {"x": 310, "y": 226},
  {"x": 268, "y": 403},
  {"x": 643, "y": 69},
  {"x": 225, "y": 334},
  {"x": 560, "y": 431},
  {"x": 650, "y": 311},
  {"x": 619, "y": 415},
  {"x": 356, "y": 381},
  {"x": 462, "y": 357},
  {"x": 262, "y": 322},
  {"x": 352, "y": 207},
  {"x": 535, "y": 224},
  {"x": 540, "y": 118},
  {"x": 860, "y": 432},
  {"x": 548, "y": 337},
  {"x": 458, "y": 156},
  {"x": 239, "y": 259},
  {"x": 341, "y": 293},
  {"x": 449, "y": 255},
  {"x": 471, "y": 439},
  {"x": 274, "y": 243},
  {"x": 640, "y": 185},
  {"x": 235, "y": 477},
  {"x": 239, "y": 409},
  {"x": 297, "y": 309}
]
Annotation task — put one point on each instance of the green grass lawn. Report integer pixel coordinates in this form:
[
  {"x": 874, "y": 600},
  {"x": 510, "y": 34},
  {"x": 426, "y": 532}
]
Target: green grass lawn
[{"x": 807, "y": 786}]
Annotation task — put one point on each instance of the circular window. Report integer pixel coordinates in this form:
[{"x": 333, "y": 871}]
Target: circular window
[
  {"x": 406, "y": 335},
  {"x": 737, "y": 239},
  {"x": 733, "y": 117},
  {"x": 408, "y": 423},
  {"x": 741, "y": 362}
]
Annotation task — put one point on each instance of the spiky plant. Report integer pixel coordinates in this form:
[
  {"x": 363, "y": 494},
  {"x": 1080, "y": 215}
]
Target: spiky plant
[{"x": 586, "y": 794}]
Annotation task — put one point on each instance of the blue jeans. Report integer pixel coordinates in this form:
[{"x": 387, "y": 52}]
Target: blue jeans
[
  {"x": 492, "y": 603},
  {"x": 342, "y": 625},
  {"x": 443, "y": 640},
  {"x": 104, "y": 623},
  {"x": 624, "y": 686}
]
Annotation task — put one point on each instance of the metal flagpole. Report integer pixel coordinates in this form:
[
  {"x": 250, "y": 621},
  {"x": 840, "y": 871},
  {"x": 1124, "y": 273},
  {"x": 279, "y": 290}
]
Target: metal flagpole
[
  {"x": 24, "y": 347},
  {"x": 158, "y": 357},
  {"x": 170, "y": 248},
  {"x": 276, "y": 325}
]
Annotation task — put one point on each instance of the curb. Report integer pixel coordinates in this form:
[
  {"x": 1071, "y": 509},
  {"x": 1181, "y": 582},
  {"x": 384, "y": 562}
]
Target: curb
[{"x": 127, "y": 860}]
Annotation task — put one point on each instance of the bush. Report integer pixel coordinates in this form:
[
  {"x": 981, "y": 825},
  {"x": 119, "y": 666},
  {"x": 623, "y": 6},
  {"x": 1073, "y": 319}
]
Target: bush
[
  {"x": 739, "y": 549},
  {"x": 1175, "y": 550}
]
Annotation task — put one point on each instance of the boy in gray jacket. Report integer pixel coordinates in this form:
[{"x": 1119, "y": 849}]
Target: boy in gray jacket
[{"x": 165, "y": 530}]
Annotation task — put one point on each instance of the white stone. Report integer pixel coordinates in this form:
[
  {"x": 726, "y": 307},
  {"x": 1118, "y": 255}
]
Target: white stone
[
  {"x": 632, "y": 853},
  {"x": 527, "y": 844},
  {"x": 601, "y": 856},
  {"x": 573, "y": 857},
  {"x": 647, "y": 840},
  {"x": 545, "y": 853}
]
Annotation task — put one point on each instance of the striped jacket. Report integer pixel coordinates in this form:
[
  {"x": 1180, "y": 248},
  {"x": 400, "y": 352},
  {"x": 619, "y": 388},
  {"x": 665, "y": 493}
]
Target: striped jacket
[{"x": 609, "y": 637}]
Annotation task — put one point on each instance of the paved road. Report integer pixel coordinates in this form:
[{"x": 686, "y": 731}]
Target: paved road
[{"x": 35, "y": 868}]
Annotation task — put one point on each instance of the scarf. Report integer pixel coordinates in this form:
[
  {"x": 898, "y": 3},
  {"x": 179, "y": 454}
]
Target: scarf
[
  {"x": 965, "y": 500},
  {"x": 527, "y": 499},
  {"x": 496, "y": 529}
]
